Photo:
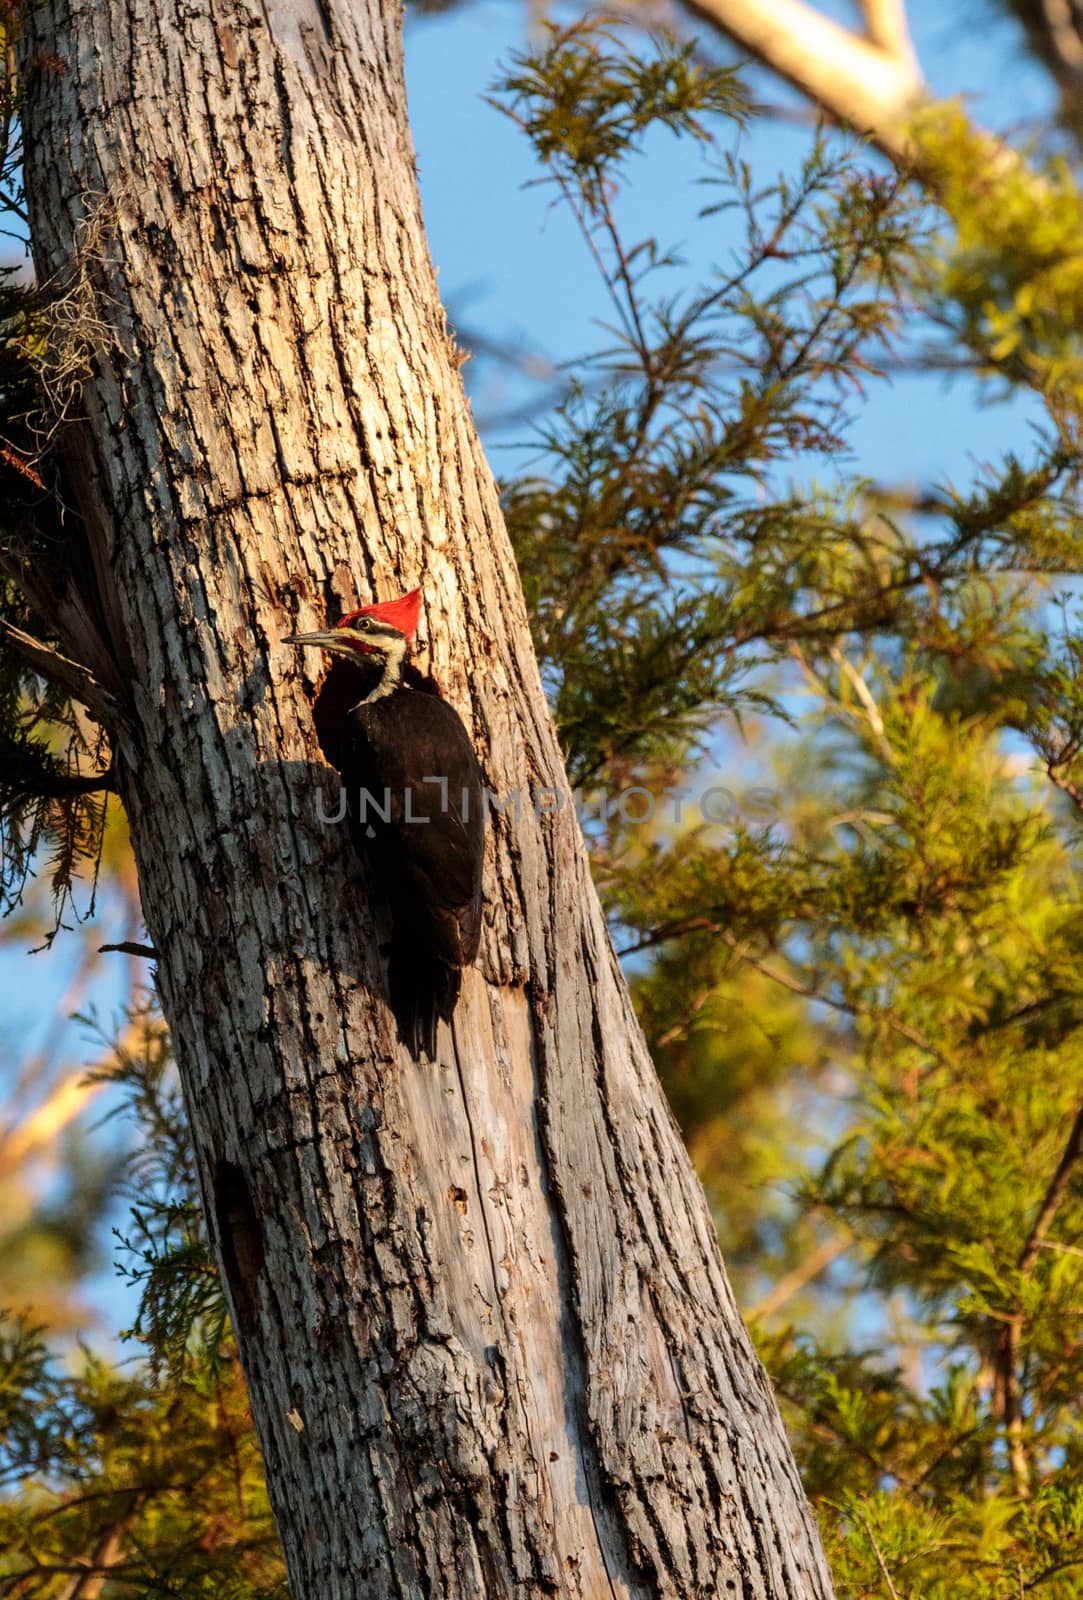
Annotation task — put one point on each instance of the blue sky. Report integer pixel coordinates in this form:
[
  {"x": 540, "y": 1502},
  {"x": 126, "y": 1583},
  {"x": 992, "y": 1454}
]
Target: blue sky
[
  {"x": 512, "y": 265},
  {"x": 513, "y": 268}
]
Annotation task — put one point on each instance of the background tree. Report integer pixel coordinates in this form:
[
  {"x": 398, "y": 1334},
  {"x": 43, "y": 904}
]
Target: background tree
[{"x": 933, "y": 845}]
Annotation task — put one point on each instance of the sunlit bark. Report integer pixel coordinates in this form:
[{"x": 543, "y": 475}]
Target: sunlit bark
[{"x": 489, "y": 1342}]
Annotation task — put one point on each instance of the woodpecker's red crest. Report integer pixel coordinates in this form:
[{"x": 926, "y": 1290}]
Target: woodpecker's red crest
[{"x": 401, "y": 614}]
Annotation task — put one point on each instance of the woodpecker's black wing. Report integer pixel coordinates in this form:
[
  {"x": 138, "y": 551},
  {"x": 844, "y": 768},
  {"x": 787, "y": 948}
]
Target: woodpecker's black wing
[{"x": 434, "y": 837}]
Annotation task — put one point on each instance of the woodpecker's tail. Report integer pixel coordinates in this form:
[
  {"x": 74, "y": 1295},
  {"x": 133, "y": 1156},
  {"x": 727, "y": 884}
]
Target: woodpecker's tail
[{"x": 423, "y": 989}]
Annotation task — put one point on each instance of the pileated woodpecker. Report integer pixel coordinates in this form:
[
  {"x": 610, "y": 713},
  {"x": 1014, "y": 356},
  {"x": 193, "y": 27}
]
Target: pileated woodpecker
[{"x": 414, "y": 790}]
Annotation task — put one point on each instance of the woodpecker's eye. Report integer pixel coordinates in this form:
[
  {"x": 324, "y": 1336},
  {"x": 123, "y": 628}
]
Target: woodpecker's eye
[{"x": 364, "y": 624}]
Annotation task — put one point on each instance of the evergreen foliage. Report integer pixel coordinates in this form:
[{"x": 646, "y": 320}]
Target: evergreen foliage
[
  {"x": 147, "y": 1489},
  {"x": 145, "y": 1477},
  {"x": 890, "y": 958}
]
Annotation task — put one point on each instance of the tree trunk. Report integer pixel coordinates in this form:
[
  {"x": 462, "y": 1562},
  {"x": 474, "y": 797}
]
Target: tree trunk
[{"x": 489, "y": 1342}]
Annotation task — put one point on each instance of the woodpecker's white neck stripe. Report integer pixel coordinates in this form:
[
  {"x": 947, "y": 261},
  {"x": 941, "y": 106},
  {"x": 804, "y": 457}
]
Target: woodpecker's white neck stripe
[{"x": 393, "y": 652}]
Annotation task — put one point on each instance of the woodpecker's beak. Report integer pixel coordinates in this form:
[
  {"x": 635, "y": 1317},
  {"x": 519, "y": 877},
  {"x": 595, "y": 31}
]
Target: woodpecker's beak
[
  {"x": 333, "y": 639},
  {"x": 326, "y": 641}
]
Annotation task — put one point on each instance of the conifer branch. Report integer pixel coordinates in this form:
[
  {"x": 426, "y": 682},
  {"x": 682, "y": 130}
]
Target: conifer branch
[
  {"x": 78, "y": 1569},
  {"x": 707, "y": 924},
  {"x": 1011, "y": 1404},
  {"x": 1053, "y": 1196},
  {"x": 48, "y": 785},
  {"x": 810, "y": 992},
  {"x": 1066, "y": 785},
  {"x": 880, "y": 1562},
  {"x": 60, "y": 669}
]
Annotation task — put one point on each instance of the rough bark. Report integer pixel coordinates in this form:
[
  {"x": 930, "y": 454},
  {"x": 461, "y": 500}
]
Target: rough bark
[{"x": 489, "y": 1342}]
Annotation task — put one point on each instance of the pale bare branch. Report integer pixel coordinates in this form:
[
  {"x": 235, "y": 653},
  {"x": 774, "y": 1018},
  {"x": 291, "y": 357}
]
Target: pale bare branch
[
  {"x": 865, "y": 695},
  {"x": 886, "y": 27},
  {"x": 38, "y": 1131},
  {"x": 1008, "y": 1358},
  {"x": 873, "y": 83},
  {"x": 799, "y": 1277},
  {"x": 44, "y": 1125},
  {"x": 35, "y": 1067},
  {"x": 108, "y": 1553}
]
